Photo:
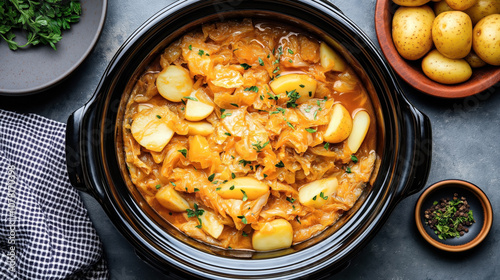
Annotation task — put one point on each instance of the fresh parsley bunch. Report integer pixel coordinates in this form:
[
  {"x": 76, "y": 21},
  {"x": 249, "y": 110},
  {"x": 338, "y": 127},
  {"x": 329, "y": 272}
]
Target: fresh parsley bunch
[{"x": 43, "y": 20}]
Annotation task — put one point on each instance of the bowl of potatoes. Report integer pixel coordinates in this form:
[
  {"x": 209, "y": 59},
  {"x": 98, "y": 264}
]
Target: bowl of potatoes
[{"x": 448, "y": 48}]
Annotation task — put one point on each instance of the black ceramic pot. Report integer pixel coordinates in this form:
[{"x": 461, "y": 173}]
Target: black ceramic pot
[{"x": 95, "y": 157}]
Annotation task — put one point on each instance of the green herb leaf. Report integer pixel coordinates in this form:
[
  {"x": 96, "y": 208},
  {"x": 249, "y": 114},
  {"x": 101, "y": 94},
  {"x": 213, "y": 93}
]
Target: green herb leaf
[
  {"x": 258, "y": 147},
  {"x": 244, "y": 234},
  {"x": 244, "y": 162},
  {"x": 227, "y": 133},
  {"x": 173, "y": 184},
  {"x": 290, "y": 199},
  {"x": 158, "y": 116},
  {"x": 211, "y": 177},
  {"x": 233, "y": 175},
  {"x": 190, "y": 98},
  {"x": 297, "y": 219},
  {"x": 196, "y": 190},
  {"x": 326, "y": 146},
  {"x": 201, "y": 52},
  {"x": 261, "y": 62},
  {"x": 290, "y": 51},
  {"x": 280, "y": 164},
  {"x": 245, "y": 197},
  {"x": 354, "y": 158},
  {"x": 252, "y": 88},
  {"x": 158, "y": 186},
  {"x": 234, "y": 104},
  {"x": 301, "y": 85},
  {"x": 231, "y": 188},
  {"x": 314, "y": 198},
  {"x": 217, "y": 189},
  {"x": 322, "y": 195},
  {"x": 311, "y": 130},
  {"x": 183, "y": 152},
  {"x": 190, "y": 47},
  {"x": 243, "y": 219},
  {"x": 348, "y": 170},
  {"x": 293, "y": 96},
  {"x": 245, "y": 66}
]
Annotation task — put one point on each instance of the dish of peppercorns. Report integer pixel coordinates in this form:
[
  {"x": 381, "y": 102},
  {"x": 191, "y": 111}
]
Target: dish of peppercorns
[
  {"x": 449, "y": 217},
  {"x": 453, "y": 215}
]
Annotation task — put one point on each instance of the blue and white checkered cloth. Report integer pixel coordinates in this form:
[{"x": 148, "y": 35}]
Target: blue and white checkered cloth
[{"x": 45, "y": 232}]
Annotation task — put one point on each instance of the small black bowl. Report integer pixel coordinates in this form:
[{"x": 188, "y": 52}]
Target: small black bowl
[{"x": 479, "y": 204}]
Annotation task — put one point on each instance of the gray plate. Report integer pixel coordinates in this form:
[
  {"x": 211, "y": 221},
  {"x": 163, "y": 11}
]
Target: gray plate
[{"x": 36, "y": 68}]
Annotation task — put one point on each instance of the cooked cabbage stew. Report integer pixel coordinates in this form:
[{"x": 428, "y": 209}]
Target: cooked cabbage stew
[{"x": 249, "y": 135}]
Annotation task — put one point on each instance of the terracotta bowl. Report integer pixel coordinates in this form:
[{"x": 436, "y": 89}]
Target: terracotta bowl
[
  {"x": 479, "y": 204},
  {"x": 411, "y": 71}
]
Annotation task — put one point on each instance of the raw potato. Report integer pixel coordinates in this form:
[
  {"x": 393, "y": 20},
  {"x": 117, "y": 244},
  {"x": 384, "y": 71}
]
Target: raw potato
[
  {"x": 210, "y": 224},
  {"x": 150, "y": 129},
  {"x": 486, "y": 39},
  {"x": 452, "y": 34},
  {"x": 304, "y": 85},
  {"x": 330, "y": 59},
  {"x": 316, "y": 193},
  {"x": 411, "y": 31},
  {"x": 441, "y": 7},
  {"x": 340, "y": 125},
  {"x": 474, "y": 60},
  {"x": 360, "y": 126},
  {"x": 174, "y": 82},
  {"x": 460, "y": 5},
  {"x": 277, "y": 234},
  {"x": 483, "y": 8},
  {"x": 196, "y": 109},
  {"x": 445, "y": 70},
  {"x": 200, "y": 128},
  {"x": 171, "y": 199},
  {"x": 234, "y": 189},
  {"x": 410, "y": 3}
]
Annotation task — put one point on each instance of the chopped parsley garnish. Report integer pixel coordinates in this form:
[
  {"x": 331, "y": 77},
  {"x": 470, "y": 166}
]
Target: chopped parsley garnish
[
  {"x": 231, "y": 188},
  {"x": 217, "y": 189},
  {"x": 227, "y": 133},
  {"x": 195, "y": 213},
  {"x": 290, "y": 199},
  {"x": 301, "y": 85},
  {"x": 291, "y": 61},
  {"x": 211, "y": 177},
  {"x": 272, "y": 96},
  {"x": 173, "y": 184},
  {"x": 276, "y": 70},
  {"x": 314, "y": 198},
  {"x": 280, "y": 164},
  {"x": 265, "y": 176},
  {"x": 245, "y": 66},
  {"x": 190, "y": 98},
  {"x": 354, "y": 158},
  {"x": 293, "y": 95},
  {"x": 261, "y": 62},
  {"x": 311, "y": 130},
  {"x": 290, "y": 51},
  {"x": 290, "y": 125},
  {"x": 348, "y": 170},
  {"x": 235, "y": 49},
  {"x": 308, "y": 109},
  {"x": 327, "y": 146},
  {"x": 258, "y": 147},
  {"x": 190, "y": 47},
  {"x": 261, "y": 97},
  {"x": 196, "y": 190},
  {"x": 310, "y": 93},
  {"x": 244, "y": 162},
  {"x": 252, "y": 88},
  {"x": 297, "y": 219},
  {"x": 322, "y": 195},
  {"x": 245, "y": 197},
  {"x": 243, "y": 219},
  {"x": 233, "y": 175},
  {"x": 244, "y": 234},
  {"x": 158, "y": 116},
  {"x": 158, "y": 186},
  {"x": 223, "y": 115},
  {"x": 183, "y": 152},
  {"x": 234, "y": 104},
  {"x": 201, "y": 52}
]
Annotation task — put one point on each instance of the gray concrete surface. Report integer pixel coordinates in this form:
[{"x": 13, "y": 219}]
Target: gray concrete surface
[{"x": 466, "y": 145}]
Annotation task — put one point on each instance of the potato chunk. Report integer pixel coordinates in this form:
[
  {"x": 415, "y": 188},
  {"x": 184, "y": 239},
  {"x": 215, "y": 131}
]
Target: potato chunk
[
  {"x": 210, "y": 224},
  {"x": 360, "y": 126},
  {"x": 196, "y": 110},
  {"x": 238, "y": 187},
  {"x": 316, "y": 193},
  {"x": 200, "y": 128},
  {"x": 331, "y": 60},
  {"x": 304, "y": 85},
  {"x": 174, "y": 83},
  {"x": 171, "y": 199},
  {"x": 340, "y": 125},
  {"x": 274, "y": 235},
  {"x": 150, "y": 129}
]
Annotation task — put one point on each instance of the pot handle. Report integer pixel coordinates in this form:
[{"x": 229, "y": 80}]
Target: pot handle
[
  {"x": 73, "y": 150},
  {"x": 418, "y": 147}
]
